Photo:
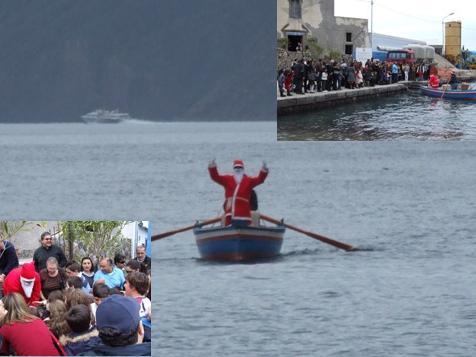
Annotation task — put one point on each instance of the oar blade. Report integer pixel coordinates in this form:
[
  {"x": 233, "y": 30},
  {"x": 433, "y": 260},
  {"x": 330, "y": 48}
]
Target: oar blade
[{"x": 324, "y": 239}]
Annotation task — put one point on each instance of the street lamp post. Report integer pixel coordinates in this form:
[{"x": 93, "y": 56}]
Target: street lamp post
[
  {"x": 371, "y": 23},
  {"x": 443, "y": 33}
]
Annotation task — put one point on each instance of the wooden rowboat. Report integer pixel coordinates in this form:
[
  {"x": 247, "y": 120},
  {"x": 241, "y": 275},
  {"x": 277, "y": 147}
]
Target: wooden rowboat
[
  {"x": 231, "y": 244},
  {"x": 449, "y": 93}
]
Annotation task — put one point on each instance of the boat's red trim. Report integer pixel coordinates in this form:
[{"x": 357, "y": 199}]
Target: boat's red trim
[{"x": 237, "y": 256}]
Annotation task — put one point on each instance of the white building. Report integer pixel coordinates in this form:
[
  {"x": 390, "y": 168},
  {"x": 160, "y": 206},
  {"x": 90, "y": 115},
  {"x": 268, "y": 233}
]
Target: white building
[{"x": 137, "y": 232}]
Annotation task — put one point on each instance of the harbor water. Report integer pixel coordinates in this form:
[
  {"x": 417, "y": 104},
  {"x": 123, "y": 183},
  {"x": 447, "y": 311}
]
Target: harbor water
[
  {"x": 411, "y": 209},
  {"x": 408, "y": 116}
]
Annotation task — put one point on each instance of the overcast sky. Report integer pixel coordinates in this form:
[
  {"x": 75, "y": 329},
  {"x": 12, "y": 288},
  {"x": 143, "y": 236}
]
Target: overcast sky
[{"x": 415, "y": 19}]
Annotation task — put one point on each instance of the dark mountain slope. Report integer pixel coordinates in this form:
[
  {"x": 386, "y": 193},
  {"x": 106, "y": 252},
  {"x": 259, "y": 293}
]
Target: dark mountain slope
[{"x": 156, "y": 59}]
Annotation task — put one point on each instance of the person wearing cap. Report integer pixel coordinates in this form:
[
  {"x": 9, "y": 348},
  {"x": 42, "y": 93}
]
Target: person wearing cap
[
  {"x": 48, "y": 249},
  {"x": 238, "y": 189},
  {"x": 24, "y": 281},
  {"x": 120, "y": 329}
]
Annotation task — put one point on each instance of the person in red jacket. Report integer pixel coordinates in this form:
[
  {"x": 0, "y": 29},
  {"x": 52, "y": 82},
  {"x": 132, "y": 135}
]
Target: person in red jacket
[
  {"x": 434, "y": 82},
  {"x": 24, "y": 281},
  {"x": 24, "y": 333},
  {"x": 237, "y": 191}
]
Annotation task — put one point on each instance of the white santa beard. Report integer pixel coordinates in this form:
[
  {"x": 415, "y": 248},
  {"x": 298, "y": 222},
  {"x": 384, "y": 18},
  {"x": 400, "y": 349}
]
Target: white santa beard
[
  {"x": 238, "y": 177},
  {"x": 27, "y": 289}
]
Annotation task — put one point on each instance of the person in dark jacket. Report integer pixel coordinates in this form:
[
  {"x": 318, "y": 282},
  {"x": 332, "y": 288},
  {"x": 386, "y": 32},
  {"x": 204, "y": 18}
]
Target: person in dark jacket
[
  {"x": 298, "y": 70},
  {"x": 8, "y": 258},
  {"x": 453, "y": 80},
  {"x": 120, "y": 329},
  {"x": 281, "y": 82},
  {"x": 48, "y": 249},
  {"x": 142, "y": 258},
  {"x": 81, "y": 338}
]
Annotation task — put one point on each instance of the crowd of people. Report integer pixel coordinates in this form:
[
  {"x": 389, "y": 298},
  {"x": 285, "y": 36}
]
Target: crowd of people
[
  {"x": 310, "y": 76},
  {"x": 55, "y": 307}
]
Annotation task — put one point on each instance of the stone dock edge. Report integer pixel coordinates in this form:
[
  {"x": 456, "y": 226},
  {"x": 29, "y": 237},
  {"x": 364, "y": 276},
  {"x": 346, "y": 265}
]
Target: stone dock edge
[{"x": 314, "y": 101}]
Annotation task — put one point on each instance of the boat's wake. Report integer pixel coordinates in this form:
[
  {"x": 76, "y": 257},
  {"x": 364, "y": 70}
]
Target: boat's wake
[
  {"x": 300, "y": 252},
  {"x": 316, "y": 251},
  {"x": 367, "y": 249},
  {"x": 251, "y": 261}
]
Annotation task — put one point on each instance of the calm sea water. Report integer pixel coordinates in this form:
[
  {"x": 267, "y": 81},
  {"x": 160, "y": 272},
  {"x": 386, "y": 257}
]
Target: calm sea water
[
  {"x": 411, "y": 207},
  {"x": 405, "y": 116}
]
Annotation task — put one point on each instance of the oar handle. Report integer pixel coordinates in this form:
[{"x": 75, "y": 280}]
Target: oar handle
[
  {"x": 183, "y": 229},
  {"x": 322, "y": 238}
]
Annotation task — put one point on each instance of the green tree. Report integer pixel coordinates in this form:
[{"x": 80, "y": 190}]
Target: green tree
[
  {"x": 93, "y": 238},
  {"x": 283, "y": 43},
  {"x": 313, "y": 47},
  {"x": 335, "y": 55},
  {"x": 8, "y": 229}
]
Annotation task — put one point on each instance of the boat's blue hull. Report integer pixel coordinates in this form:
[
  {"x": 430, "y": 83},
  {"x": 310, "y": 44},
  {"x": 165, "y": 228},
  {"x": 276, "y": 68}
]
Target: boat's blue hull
[
  {"x": 449, "y": 94},
  {"x": 239, "y": 244}
]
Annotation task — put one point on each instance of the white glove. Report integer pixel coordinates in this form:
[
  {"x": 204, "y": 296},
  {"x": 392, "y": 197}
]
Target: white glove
[
  {"x": 264, "y": 167},
  {"x": 212, "y": 163}
]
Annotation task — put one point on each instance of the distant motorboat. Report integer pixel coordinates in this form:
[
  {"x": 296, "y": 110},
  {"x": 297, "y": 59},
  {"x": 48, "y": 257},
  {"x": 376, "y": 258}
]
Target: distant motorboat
[{"x": 105, "y": 116}]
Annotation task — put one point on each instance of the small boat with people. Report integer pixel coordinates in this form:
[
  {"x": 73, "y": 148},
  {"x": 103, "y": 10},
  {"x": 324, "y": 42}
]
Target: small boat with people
[
  {"x": 239, "y": 244},
  {"x": 104, "y": 116},
  {"x": 445, "y": 92},
  {"x": 240, "y": 235},
  {"x": 451, "y": 90}
]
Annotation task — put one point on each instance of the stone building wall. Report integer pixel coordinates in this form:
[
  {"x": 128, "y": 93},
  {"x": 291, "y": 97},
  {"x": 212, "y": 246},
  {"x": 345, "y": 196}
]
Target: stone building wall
[{"x": 318, "y": 21}]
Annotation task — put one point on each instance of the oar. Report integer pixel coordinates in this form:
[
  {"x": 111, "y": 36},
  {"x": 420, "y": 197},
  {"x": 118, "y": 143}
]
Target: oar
[
  {"x": 444, "y": 90},
  {"x": 183, "y": 229},
  {"x": 322, "y": 238}
]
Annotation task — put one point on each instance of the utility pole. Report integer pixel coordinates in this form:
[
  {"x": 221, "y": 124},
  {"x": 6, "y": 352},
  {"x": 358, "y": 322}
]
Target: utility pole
[{"x": 371, "y": 23}]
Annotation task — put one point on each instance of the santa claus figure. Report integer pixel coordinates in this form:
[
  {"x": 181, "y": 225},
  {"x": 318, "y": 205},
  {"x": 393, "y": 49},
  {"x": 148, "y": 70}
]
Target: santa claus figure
[
  {"x": 24, "y": 281},
  {"x": 433, "y": 82},
  {"x": 238, "y": 189}
]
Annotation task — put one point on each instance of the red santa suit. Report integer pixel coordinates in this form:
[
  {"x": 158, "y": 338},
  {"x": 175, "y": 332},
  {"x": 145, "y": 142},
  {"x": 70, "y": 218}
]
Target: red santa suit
[
  {"x": 434, "y": 82},
  {"x": 24, "y": 281},
  {"x": 237, "y": 194}
]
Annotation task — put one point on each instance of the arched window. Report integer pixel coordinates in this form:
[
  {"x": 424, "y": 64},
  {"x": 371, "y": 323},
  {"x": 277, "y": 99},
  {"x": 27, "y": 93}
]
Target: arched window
[{"x": 295, "y": 9}]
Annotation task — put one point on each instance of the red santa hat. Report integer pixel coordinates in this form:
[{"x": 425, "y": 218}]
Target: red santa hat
[
  {"x": 238, "y": 163},
  {"x": 28, "y": 271}
]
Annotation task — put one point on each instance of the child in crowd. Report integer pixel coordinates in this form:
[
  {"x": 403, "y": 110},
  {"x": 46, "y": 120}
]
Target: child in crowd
[
  {"x": 55, "y": 321},
  {"x": 75, "y": 282},
  {"x": 100, "y": 292},
  {"x": 137, "y": 285},
  {"x": 83, "y": 336},
  {"x": 73, "y": 269}
]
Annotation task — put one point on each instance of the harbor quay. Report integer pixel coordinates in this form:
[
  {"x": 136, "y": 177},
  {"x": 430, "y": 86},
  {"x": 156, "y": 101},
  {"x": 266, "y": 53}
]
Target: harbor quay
[{"x": 313, "y": 101}]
